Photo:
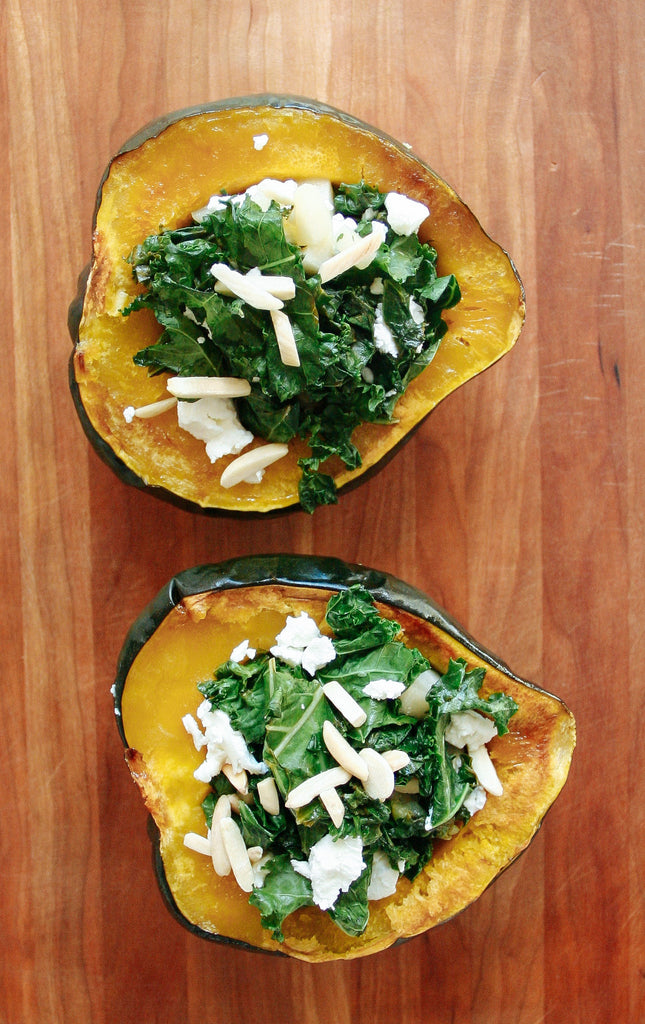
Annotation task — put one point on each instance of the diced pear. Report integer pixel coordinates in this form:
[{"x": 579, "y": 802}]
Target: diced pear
[{"x": 309, "y": 224}]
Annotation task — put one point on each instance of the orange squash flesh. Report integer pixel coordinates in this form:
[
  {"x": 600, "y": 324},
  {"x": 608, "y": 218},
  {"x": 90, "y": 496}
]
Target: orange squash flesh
[
  {"x": 157, "y": 687},
  {"x": 171, "y": 169}
]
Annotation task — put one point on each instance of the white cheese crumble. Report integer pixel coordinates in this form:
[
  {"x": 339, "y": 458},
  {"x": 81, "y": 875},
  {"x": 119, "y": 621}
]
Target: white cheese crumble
[
  {"x": 300, "y": 642},
  {"x": 383, "y": 878},
  {"x": 332, "y": 866},
  {"x": 242, "y": 651},
  {"x": 376, "y": 286},
  {"x": 416, "y": 311},
  {"x": 128, "y": 413},
  {"x": 405, "y": 216},
  {"x": 475, "y": 800},
  {"x": 224, "y": 744},
  {"x": 214, "y": 421},
  {"x": 383, "y": 337},
  {"x": 260, "y": 141},
  {"x": 472, "y": 730},
  {"x": 384, "y": 689},
  {"x": 468, "y": 728}
]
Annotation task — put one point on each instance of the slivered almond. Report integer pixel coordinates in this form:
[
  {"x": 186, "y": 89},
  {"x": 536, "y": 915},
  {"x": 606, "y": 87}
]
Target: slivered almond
[
  {"x": 344, "y": 703},
  {"x": 380, "y": 781},
  {"x": 245, "y": 287},
  {"x": 268, "y": 795},
  {"x": 396, "y": 759},
  {"x": 333, "y": 805},
  {"x": 200, "y": 844},
  {"x": 238, "y": 779},
  {"x": 146, "y": 412},
  {"x": 219, "y": 856},
  {"x": 484, "y": 769},
  {"x": 237, "y": 853},
  {"x": 284, "y": 337},
  {"x": 343, "y": 752},
  {"x": 250, "y": 462},
  {"x": 235, "y": 799},
  {"x": 315, "y": 785},
  {"x": 349, "y": 257},
  {"x": 207, "y": 387},
  {"x": 280, "y": 287}
]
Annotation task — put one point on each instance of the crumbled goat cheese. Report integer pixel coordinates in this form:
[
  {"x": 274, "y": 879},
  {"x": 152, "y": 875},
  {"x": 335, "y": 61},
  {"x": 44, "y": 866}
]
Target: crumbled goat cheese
[
  {"x": 384, "y": 689},
  {"x": 468, "y": 728},
  {"x": 320, "y": 651},
  {"x": 242, "y": 651},
  {"x": 298, "y": 631},
  {"x": 405, "y": 216},
  {"x": 416, "y": 311},
  {"x": 383, "y": 879},
  {"x": 472, "y": 730},
  {"x": 214, "y": 421},
  {"x": 343, "y": 231},
  {"x": 128, "y": 413},
  {"x": 379, "y": 229},
  {"x": 383, "y": 337},
  {"x": 224, "y": 744},
  {"x": 300, "y": 642},
  {"x": 260, "y": 141},
  {"x": 475, "y": 800},
  {"x": 332, "y": 866}
]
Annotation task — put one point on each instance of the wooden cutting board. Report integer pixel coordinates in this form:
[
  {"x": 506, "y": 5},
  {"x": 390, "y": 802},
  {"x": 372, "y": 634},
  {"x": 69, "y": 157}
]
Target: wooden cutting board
[{"x": 518, "y": 505}]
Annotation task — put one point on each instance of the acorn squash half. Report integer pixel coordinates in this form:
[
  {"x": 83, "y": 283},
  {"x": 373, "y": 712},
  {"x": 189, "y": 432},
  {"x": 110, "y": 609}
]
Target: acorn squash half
[
  {"x": 191, "y": 627},
  {"x": 169, "y": 169}
]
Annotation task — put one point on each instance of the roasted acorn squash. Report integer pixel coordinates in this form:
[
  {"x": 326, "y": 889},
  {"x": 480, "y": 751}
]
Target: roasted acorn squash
[
  {"x": 192, "y": 626},
  {"x": 169, "y": 169}
]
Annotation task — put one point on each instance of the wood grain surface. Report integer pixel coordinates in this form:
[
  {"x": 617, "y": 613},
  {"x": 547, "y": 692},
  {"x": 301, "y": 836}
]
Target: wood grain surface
[{"x": 519, "y": 505}]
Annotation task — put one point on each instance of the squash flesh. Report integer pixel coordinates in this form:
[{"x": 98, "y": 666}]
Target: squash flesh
[
  {"x": 531, "y": 761},
  {"x": 158, "y": 183}
]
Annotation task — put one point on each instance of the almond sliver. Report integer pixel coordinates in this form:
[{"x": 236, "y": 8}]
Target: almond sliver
[
  {"x": 343, "y": 752},
  {"x": 349, "y": 257},
  {"x": 237, "y": 854},
  {"x": 146, "y": 412},
  {"x": 315, "y": 785},
  {"x": 284, "y": 337},
  {"x": 333, "y": 805},
  {"x": 200, "y": 844},
  {"x": 245, "y": 287},
  {"x": 278, "y": 286},
  {"x": 219, "y": 856},
  {"x": 343, "y": 701},
  {"x": 268, "y": 795},
  {"x": 250, "y": 462},
  {"x": 396, "y": 759},
  {"x": 207, "y": 387},
  {"x": 380, "y": 781}
]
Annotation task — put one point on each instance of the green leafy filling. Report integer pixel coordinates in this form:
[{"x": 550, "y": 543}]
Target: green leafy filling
[
  {"x": 343, "y": 379},
  {"x": 280, "y": 710}
]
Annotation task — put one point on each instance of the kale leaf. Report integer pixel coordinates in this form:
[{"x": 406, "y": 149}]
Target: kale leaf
[{"x": 343, "y": 380}]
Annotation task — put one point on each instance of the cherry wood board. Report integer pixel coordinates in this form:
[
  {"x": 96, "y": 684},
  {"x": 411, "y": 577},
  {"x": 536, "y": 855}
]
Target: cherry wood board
[{"x": 519, "y": 505}]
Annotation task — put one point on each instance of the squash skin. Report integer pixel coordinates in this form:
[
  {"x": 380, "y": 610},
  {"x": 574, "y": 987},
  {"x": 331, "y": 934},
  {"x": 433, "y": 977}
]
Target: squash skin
[
  {"x": 166, "y": 170},
  {"x": 532, "y": 760}
]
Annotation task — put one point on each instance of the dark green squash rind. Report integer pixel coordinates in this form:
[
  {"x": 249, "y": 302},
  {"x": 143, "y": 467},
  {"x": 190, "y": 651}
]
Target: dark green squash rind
[
  {"x": 305, "y": 571},
  {"x": 153, "y": 129}
]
